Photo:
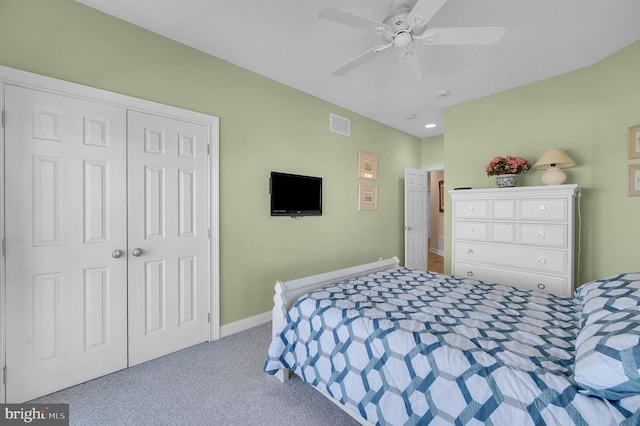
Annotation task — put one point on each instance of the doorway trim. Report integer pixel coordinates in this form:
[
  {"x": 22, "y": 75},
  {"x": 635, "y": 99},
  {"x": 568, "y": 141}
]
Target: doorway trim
[
  {"x": 434, "y": 168},
  {"x": 428, "y": 170},
  {"x": 52, "y": 85}
]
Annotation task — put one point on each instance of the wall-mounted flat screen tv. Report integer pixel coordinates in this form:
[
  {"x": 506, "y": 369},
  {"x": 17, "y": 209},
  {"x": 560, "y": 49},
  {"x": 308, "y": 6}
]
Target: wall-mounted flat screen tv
[{"x": 295, "y": 195}]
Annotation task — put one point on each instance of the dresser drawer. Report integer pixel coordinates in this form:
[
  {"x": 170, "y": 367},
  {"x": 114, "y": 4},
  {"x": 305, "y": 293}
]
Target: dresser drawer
[
  {"x": 524, "y": 280},
  {"x": 541, "y": 234},
  {"x": 478, "y": 231},
  {"x": 512, "y": 256},
  {"x": 471, "y": 209},
  {"x": 543, "y": 209},
  {"x": 485, "y": 231}
]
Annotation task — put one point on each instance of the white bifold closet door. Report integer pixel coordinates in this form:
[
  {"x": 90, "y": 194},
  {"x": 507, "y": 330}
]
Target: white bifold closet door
[
  {"x": 168, "y": 236},
  {"x": 65, "y": 215},
  {"x": 81, "y": 301}
]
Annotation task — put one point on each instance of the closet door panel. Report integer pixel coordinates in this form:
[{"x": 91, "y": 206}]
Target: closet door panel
[
  {"x": 168, "y": 235},
  {"x": 65, "y": 213}
]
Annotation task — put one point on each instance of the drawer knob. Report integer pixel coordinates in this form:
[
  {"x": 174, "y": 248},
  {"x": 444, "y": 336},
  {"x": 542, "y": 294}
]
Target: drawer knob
[
  {"x": 470, "y": 252},
  {"x": 541, "y": 286},
  {"x": 470, "y": 273},
  {"x": 470, "y": 208},
  {"x": 542, "y": 208},
  {"x": 541, "y": 234},
  {"x": 471, "y": 230},
  {"x": 542, "y": 260}
]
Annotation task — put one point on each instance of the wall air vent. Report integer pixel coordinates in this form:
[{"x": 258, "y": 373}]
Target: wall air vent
[{"x": 340, "y": 125}]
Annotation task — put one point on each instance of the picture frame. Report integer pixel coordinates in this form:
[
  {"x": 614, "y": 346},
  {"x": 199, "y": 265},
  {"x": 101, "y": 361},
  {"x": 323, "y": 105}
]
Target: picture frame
[
  {"x": 634, "y": 180},
  {"x": 633, "y": 144},
  {"x": 367, "y": 197},
  {"x": 367, "y": 165},
  {"x": 441, "y": 195}
]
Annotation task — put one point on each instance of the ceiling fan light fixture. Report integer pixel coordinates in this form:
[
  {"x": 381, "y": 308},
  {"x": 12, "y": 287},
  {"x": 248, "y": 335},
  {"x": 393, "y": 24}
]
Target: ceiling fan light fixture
[{"x": 403, "y": 39}]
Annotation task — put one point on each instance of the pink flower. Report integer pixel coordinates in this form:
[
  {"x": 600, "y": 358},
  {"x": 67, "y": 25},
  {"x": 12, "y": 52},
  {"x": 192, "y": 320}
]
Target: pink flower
[{"x": 507, "y": 165}]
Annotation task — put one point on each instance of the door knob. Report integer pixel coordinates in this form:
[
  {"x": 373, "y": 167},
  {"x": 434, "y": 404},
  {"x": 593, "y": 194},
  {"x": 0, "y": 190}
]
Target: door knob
[
  {"x": 117, "y": 253},
  {"x": 137, "y": 252}
]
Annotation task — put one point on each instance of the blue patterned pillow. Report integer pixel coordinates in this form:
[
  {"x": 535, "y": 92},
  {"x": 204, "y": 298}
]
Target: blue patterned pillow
[
  {"x": 608, "y": 345},
  {"x": 612, "y": 294}
]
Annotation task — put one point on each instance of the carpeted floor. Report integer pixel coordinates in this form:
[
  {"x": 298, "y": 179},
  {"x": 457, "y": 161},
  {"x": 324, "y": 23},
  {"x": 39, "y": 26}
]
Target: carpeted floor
[{"x": 216, "y": 383}]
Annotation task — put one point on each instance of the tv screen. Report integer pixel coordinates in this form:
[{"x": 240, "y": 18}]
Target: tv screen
[{"x": 295, "y": 195}]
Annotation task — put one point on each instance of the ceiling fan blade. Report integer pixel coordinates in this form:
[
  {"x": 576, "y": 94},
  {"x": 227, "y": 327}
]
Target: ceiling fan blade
[
  {"x": 361, "y": 59},
  {"x": 351, "y": 20},
  {"x": 462, "y": 36},
  {"x": 426, "y": 9}
]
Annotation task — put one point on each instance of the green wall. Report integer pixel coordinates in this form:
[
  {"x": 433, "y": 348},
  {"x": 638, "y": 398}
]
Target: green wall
[
  {"x": 432, "y": 152},
  {"x": 586, "y": 113},
  {"x": 264, "y": 126}
]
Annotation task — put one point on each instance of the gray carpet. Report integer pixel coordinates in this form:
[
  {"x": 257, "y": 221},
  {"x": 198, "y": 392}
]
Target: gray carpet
[{"x": 215, "y": 383}]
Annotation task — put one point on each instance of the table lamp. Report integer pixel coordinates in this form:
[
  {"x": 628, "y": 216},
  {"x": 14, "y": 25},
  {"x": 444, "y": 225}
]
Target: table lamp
[{"x": 554, "y": 160}]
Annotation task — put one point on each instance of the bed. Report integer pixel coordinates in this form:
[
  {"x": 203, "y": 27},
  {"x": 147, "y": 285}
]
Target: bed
[{"x": 395, "y": 346}]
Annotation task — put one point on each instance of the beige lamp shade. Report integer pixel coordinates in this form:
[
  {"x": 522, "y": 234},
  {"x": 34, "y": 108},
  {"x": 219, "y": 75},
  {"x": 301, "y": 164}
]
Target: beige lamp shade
[{"x": 553, "y": 160}]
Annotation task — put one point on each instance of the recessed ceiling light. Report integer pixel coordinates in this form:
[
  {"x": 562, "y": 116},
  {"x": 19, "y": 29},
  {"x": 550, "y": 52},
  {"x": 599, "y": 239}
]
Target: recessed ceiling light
[{"x": 430, "y": 125}]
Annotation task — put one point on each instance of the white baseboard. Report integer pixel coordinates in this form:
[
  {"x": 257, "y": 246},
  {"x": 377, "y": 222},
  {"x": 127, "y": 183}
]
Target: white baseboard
[
  {"x": 244, "y": 324},
  {"x": 436, "y": 251}
]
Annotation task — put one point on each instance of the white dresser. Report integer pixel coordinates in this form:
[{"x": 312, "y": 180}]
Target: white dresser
[{"x": 521, "y": 236}]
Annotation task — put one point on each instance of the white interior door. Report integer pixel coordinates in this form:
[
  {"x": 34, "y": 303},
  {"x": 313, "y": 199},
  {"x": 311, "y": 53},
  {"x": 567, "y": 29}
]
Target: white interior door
[
  {"x": 66, "y": 295},
  {"x": 168, "y": 235},
  {"x": 415, "y": 218}
]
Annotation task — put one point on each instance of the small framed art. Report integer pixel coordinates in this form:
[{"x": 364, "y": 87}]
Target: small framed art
[
  {"x": 367, "y": 165},
  {"x": 633, "y": 144},
  {"x": 367, "y": 197},
  {"x": 634, "y": 180},
  {"x": 441, "y": 195}
]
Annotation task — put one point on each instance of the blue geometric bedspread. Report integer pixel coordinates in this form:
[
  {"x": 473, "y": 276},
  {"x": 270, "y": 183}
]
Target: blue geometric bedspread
[{"x": 407, "y": 347}]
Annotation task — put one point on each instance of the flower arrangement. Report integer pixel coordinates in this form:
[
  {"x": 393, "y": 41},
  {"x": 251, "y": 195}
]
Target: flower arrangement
[{"x": 507, "y": 165}]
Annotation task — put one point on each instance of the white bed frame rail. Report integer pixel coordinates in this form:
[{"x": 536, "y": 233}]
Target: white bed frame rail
[{"x": 287, "y": 292}]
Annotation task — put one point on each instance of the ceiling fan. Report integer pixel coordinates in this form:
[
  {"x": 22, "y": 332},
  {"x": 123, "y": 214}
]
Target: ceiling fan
[{"x": 406, "y": 24}]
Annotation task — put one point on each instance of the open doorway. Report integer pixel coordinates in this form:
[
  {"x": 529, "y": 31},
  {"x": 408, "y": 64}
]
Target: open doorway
[
  {"x": 435, "y": 235},
  {"x": 424, "y": 218}
]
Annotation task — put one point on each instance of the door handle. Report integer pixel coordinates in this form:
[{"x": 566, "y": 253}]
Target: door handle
[
  {"x": 408, "y": 228},
  {"x": 137, "y": 252},
  {"x": 117, "y": 253}
]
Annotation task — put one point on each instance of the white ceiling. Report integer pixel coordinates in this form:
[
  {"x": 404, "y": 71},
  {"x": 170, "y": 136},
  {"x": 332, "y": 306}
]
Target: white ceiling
[{"x": 286, "y": 41}]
